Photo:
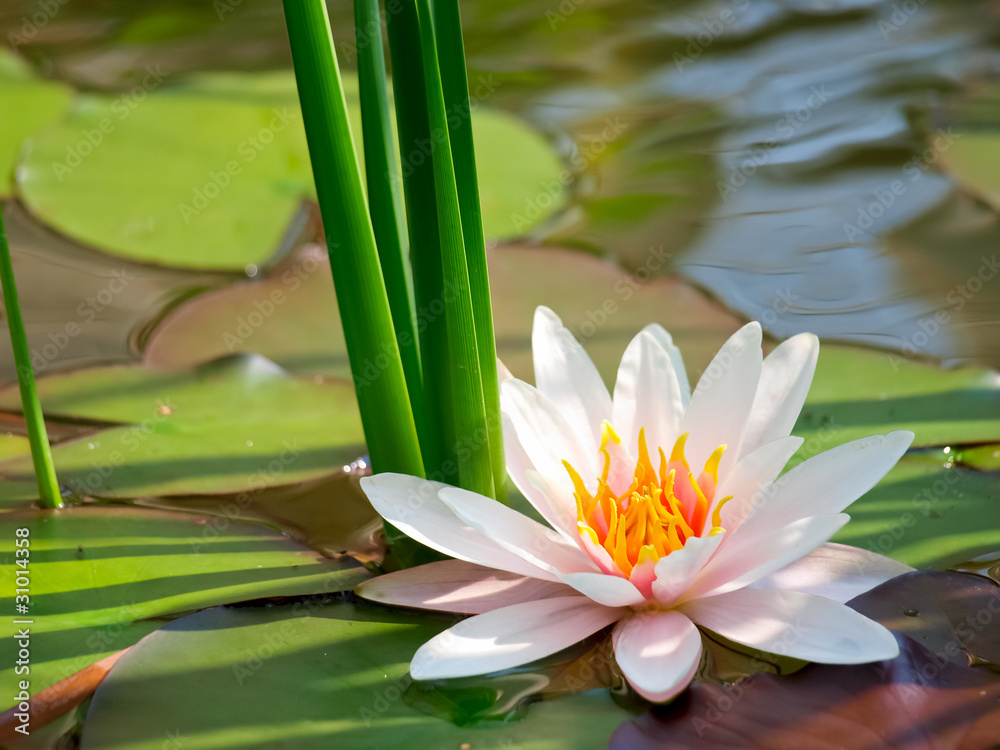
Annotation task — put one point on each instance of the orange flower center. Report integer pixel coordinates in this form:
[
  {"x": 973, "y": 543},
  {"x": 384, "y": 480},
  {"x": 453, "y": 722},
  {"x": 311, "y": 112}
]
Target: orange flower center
[{"x": 658, "y": 512}]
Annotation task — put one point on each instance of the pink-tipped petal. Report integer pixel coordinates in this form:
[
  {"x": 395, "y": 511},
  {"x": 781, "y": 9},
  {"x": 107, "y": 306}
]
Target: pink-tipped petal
[
  {"x": 666, "y": 341},
  {"x": 740, "y": 564},
  {"x": 721, "y": 403},
  {"x": 790, "y": 623},
  {"x": 517, "y": 533},
  {"x": 412, "y": 505},
  {"x": 544, "y": 433},
  {"x": 457, "y": 586},
  {"x": 658, "y": 652},
  {"x": 647, "y": 395},
  {"x": 642, "y": 577},
  {"x": 511, "y": 636},
  {"x": 785, "y": 377},
  {"x": 611, "y": 591},
  {"x": 675, "y": 572},
  {"x": 552, "y": 498},
  {"x": 828, "y": 482},
  {"x": 834, "y": 571},
  {"x": 599, "y": 555},
  {"x": 568, "y": 377},
  {"x": 751, "y": 478},
  {"x": 621, "y": 471}
]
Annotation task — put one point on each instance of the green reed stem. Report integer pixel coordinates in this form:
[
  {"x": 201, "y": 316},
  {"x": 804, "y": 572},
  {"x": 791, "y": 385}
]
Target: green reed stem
[
  {"x": 413, "y": 127},
  {"x": 465, "y": 408},
  {"x": 385, "y": 200},
  {"x": 41, "y": 453},
  {"x": 455, "y": 87},
  {"x": 374, "y": 355}
]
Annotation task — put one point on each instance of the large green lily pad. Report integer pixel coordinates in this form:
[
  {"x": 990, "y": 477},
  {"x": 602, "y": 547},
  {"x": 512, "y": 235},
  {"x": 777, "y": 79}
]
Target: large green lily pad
[
  {"x": 604, "y": 306},
  {"x": 291, "y": 676},
  {"x": 176, "y": 178},
  {"x": 927, "y": 515},
  {"x": 860, "y": 392},
  {"x": 29, "y": 102},
  {"x": 238, "y": 424},
  {"x": 209, "y": 174},
  {"x": 99, "y": 574}
]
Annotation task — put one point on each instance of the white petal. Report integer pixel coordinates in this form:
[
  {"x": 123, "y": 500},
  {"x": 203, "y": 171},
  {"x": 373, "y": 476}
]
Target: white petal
[
  {"x": 647, "y": 395},
  {"x": 835, "y": 571},
  {"x": 665, "y": 340},
  {"x": 599, "y": 555},
  {"x": 746, "y": 561},
  {"x": 544, "y": 433},
  {"x": 658, "y": 652},
  {"x": 721, "y": 403},
  {"x": 675, "y": 572},
  {"x": 511, "y": 636},
  {"x": 457, "y": 586},
  {"x": 622, "y": 467},
  {"x": 503, "y": 373},
  {"x": 751, "y": 478},
  {"x": 553, "y": 500},
  {"x": 517, "y": 533},
  {"x": 412, "y": 505},
  {"x": 611, "y": 591},
  {"x": 790, "y": 623},
  {"x": 785, "y": 378},
  {"x": 567, "y": 376},
  {"x": 827, "y": 483}
]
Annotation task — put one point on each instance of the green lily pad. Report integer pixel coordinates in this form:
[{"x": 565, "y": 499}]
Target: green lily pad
[
  {"x": 980, "y": 456},
  {"x": 175, "y": 178},
  {"x": 859, "y": 392},
  {"x": 29, "y": 102},
  {"x": 238, "y": 424},
  {"x": 291, "y": 316},
  {"x": 305, "y": 512},
  {"x": 973, "y": 159},
  {"x": 289, "y": 676},
  {"x": 98, "y": 576},
  {"x": 13, "y": 445},
  {"x": 209, "y": 175},
  {"x": 927, "y": 515}
]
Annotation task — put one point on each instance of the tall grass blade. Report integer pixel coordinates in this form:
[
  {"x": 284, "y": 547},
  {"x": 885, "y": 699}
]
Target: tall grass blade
[
  {"x": 455, "y": 88},
  {"x": 41, "y": 453},
  {"x": 385, "y": 200},
  {"x": 361, "y": 295},
  {"x": 465, "y": 407},
  {"x": 430, "y": 294}
]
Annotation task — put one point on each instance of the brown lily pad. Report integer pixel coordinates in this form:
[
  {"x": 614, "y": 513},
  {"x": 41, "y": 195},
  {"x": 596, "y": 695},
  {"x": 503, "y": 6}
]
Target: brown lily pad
[
  {"x": 914, "y": 702},
  {"x": 291, "y": 316}
]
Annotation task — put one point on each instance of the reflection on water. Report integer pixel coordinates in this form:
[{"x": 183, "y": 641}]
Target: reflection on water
[{"x": 788, "y": 153}]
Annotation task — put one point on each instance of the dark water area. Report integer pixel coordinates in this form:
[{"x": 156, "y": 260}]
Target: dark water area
[{"x": 790, "y": 157}]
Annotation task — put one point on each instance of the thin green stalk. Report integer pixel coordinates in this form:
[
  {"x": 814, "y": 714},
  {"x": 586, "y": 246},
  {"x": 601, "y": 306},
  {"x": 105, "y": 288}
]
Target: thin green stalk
[
  {"x": 465, "y": 408},
  {"x": 41, "y": 453},
  {"x": 413, "y": 127},
  {"x": 455, "y": 86},
  {"x": 384, "y": 403},
  {"x": 385, "y": 200}
]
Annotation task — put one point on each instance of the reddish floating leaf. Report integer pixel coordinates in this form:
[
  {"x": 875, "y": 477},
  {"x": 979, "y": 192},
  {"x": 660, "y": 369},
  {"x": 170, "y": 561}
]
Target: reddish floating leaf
[{"x": 914, "y": 702}]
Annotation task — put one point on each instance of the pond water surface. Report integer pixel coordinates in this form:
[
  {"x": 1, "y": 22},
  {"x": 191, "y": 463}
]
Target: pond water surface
[{"x": 789, "y": 157}]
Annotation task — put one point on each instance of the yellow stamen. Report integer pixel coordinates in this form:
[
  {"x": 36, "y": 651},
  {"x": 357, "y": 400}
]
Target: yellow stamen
[
  {"x": 701, "y": 503},
  {"x": 678, "y": 452},
  {"x": 712, "y": 464},
  {"x": 647, "y": 521},
  {"x": 717, "y": 513}
]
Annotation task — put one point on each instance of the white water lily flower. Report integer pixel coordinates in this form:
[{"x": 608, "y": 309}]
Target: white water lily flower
[{"x": 664, "y": 512}]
